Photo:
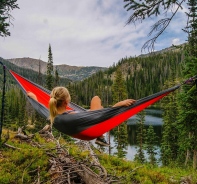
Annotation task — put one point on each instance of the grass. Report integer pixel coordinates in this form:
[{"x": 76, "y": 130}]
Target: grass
[{"x": 22, "y": 165}]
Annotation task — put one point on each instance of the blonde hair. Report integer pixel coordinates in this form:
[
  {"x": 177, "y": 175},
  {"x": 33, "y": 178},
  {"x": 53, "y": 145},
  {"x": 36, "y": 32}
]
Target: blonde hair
[{"x": 59, "y": 95}]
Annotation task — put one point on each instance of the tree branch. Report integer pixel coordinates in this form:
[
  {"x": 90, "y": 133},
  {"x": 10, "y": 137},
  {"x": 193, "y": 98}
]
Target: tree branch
[{"x": 159, "y": 27}]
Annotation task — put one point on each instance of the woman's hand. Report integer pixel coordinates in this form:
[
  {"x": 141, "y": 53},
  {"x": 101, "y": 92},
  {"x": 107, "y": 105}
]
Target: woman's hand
[
  {"x": 32, "y": 95},
  {"x": 126, "y": 102}
]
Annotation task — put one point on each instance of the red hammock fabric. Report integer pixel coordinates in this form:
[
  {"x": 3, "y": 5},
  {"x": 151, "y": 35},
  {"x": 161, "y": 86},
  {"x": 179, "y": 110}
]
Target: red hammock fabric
[
  {"x": 42, "y": 96},
  {"x": 105, "y": 126}
]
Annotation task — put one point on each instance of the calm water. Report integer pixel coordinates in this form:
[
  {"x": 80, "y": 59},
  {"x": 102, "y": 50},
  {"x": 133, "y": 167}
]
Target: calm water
[{"x": 153, "y": 117}]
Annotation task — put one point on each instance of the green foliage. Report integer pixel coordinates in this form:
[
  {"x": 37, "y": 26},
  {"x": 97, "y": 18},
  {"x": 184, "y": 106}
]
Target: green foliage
[
  {"x": 140, "y": 140},
  {"x": 119, "y": 93},
  {"x": 119, "y": 90},
  {"x": 5, "y": 16},
  {"x": 169, "y": 144},
  {"x": 49, "y": 77},
  {"x": 151, "y": 142},
  {"x": 121, "y": 140},
  {"x": 39, "y": 75},
  {"x": 7, "y": 118},
  {"x": 21, "y": 166},
  {"x": 22, "y": 118},
  {"x": 145, "y": 9},
  {"x": 14, "y": 113},
  {"x": 188, "y": 98},
  {"x": 39, "y": 122},
  {"x": 142, "y": 76},
  {"x": 134, "y": 172},
  {"x": 57, "y": 78}
]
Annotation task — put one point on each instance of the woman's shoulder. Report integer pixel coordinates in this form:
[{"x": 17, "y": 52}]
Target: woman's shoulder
[{"x": 69, "y": 112}]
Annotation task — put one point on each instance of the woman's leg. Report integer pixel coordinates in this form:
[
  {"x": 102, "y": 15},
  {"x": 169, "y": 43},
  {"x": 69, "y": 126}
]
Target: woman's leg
[{"x": 95, "y": 105}]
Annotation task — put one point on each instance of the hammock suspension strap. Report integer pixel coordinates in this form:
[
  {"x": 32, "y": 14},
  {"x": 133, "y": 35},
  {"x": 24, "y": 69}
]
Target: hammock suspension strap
[{"x": 2, "y": 98}]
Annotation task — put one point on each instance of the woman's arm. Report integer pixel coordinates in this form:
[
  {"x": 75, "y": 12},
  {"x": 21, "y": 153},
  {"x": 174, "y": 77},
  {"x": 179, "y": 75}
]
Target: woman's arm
[{"x": 126, "y": 102}]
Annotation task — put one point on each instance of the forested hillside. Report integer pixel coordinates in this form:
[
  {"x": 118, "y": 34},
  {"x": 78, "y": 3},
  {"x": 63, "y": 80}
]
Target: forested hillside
[{"x": 143, "y": 76}]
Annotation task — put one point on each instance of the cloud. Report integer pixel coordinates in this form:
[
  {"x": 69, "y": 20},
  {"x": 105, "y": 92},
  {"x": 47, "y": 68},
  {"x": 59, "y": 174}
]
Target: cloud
[
  {"x": 176, "y": 41},
  {"x": 81, "y": 33}
]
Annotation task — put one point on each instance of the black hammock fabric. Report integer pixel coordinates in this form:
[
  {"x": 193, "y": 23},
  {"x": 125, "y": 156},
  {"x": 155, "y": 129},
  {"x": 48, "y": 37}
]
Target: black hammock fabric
[{"x": 86, "y": 125}]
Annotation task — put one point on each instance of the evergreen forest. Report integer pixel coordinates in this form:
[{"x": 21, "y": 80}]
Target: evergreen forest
[{"x": 133, "y": 77}]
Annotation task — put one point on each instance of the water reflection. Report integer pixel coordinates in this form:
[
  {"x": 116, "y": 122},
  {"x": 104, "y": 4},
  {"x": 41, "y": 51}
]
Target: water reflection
[
  {"x": 153, "y": 117},
  {"x": 132, "y": 133}
]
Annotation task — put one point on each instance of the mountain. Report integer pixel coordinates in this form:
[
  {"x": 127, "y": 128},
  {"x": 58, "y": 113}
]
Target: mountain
[
  {"x": 30, "y": 74},
  {"x": 75, "y": 73},
  {"x": 172, "y": 48}
]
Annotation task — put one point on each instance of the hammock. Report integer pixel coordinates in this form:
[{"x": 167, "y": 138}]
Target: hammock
[{"x": 86, "y": 125}]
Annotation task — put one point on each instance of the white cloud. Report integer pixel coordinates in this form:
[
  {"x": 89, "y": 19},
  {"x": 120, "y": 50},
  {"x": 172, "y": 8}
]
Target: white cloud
[
  {"x": 81, "y": 33},
  {"x": 176, "y": 41}
]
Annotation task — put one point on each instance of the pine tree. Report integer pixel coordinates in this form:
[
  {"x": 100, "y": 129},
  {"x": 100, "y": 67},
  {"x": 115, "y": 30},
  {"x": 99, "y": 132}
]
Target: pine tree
[
  {"x": 169, "y": 143},
  {"x": 119, "y": 89},
  {"x": 188, "y": 97},
  {"x": 49, "y": 77},
  {"x": 39, "y": 122},
  {"x": 39, "y": 77},
  {"x": 140, "y": 138},
  {"x": 151, "y": 142},
  {"x": 72, "y": 92},
  {"x": 22, "y": 118},
  {"x": 120, "y": 133},
  {"x": 7, "y": 119},
  {"x": 57, "y": 78}
]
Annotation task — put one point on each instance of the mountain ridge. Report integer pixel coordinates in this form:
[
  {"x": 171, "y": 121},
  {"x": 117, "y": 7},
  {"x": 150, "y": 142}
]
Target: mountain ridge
[{"x": 75, "y": 73}]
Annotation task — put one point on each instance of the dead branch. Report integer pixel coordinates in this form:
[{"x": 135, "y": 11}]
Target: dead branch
[
  {"x": 65, "y": 169},
  {"x": 186, "y": 180},
  {"x": 86, "y": 145},
  {"x": 26, "y": 169},
  {"x": 133, "y": 170},
  {"x": 46, "y": 133},
  {"x": 23, "y": 137},
  {"x": 7, "y": 136},
  {"x": 20, "y": 134},
  {"x": 10, "y": 146},
  {"x": 38, "y": 180}
]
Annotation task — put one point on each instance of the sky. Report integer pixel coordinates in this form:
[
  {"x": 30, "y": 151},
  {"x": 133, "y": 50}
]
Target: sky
[{"x": 82, "y": 33}]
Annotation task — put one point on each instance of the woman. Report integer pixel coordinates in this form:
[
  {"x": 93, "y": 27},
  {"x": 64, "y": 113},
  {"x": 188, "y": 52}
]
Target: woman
[{"x": 60, "y": 98}]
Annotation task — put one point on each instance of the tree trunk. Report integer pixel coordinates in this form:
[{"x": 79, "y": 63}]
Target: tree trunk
[
  {"x": 188, "y": 152},
  {"x": 195, "y": 159},
  {"x": 187, "y": 157}
]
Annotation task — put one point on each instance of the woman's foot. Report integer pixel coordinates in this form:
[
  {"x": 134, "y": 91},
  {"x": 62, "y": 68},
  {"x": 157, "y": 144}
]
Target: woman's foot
[{"x": 101, "y": 141}]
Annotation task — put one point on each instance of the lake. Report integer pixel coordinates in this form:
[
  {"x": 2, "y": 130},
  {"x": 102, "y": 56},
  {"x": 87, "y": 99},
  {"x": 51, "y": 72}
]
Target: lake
[{"x": 153, "y": 117}]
